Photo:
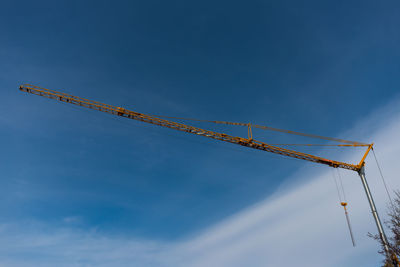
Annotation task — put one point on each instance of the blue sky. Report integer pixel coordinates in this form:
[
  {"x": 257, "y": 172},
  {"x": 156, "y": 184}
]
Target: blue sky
[{"x": 313, "y": 67}]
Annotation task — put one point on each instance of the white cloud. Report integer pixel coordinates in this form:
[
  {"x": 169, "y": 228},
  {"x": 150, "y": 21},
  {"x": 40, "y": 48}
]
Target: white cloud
[
  {"x": 300, "y": 225},
  {"x": 34, "y": 244}
]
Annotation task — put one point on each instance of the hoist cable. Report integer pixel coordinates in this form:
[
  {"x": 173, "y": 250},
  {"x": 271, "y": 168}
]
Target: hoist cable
[
  {"x": 341, "y": 184},
  {"x": 343, "y": 203},
  {"x": 337, "y": 186},
  {"x": 349, "y": 225},
  {"x": 383, "y": 179}
]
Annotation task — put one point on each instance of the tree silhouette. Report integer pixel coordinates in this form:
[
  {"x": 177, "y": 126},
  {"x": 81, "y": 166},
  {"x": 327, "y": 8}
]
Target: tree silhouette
[{"x": 393, "y": 224}]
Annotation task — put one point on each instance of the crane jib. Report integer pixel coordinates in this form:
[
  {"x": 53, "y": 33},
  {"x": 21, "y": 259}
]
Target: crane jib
[{"x": 119, "y": 111}]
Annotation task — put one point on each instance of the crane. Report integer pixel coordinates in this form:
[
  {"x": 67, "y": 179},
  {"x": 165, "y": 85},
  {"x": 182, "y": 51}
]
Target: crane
[{"x": 247, "y": 142}]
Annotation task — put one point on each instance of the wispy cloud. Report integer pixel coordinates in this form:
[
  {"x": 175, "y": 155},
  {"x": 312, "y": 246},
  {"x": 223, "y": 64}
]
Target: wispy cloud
[
  {"x": 300, "y": 225},
  {"x": 35, "y": 244}
]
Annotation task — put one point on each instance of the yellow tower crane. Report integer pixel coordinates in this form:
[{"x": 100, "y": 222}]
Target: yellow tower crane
[{"x": 247, "y": 142}]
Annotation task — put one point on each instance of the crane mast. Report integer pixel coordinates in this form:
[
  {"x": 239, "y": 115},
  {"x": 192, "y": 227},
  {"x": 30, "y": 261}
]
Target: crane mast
[{"x": 247, "y": 142}]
